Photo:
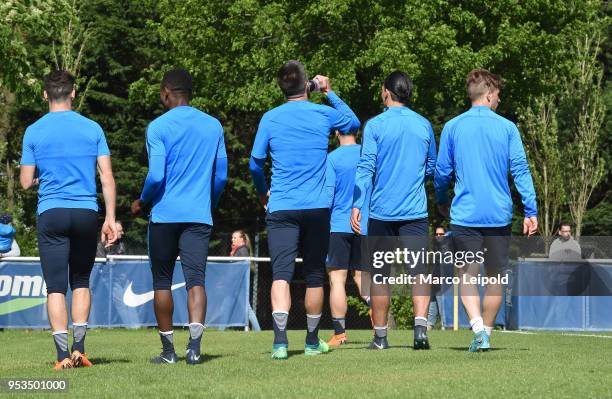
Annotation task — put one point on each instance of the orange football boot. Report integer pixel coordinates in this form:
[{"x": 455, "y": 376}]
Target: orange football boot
[
  {"x": 64, "y": 364},
  {"x": 337, "y": 340},
  {"x": 80, "y": 359}
]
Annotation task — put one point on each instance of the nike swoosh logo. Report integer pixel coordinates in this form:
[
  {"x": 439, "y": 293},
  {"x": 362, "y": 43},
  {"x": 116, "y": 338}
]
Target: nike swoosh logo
[
  {"x": 133, "y": 300},
  {"x": 378, "y": 346}
]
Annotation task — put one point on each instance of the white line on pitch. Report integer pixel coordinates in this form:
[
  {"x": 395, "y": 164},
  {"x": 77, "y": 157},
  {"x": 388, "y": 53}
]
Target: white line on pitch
[
  {"x": 588, "y": 335},
  {"x": 564, "y": 334}
]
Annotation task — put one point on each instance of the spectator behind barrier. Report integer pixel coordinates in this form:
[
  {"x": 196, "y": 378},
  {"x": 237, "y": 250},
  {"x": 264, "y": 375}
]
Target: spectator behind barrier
[
  {"x": 241, "y": 244},
  {"x": 8, "y": 244},
  {"x": 565, "y": 247}
]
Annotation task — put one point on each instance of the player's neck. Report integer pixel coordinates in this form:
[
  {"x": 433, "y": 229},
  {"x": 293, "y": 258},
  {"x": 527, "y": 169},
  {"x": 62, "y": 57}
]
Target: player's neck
[
  {"x": 392, "y": 103},
  {"x": 300, "y": 98},
  {"x": 179, "y": 102},
  {"x": 481, "y": 103},
  {"x": 348, "y": 140},
  {"x": 55, "y": 106}
]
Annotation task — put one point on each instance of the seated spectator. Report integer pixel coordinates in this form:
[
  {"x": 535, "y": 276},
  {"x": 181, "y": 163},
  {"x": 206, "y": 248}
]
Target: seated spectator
[
  {"x": 117, "y": 248},
  {"x": 565, "y": 247},
  {"x": 241, "y": 245},
  {"x": 8, "y": 244}
]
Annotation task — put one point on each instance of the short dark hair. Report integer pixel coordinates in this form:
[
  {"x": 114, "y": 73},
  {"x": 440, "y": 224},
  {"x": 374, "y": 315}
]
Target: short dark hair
[
  {"x": 58, "y": 85},
  {"x": 565, "y": 223},
  {"x": 480, "y": 81},
  {"x": 179, "y": 82},
  {"x": 291, "y": 78},
  {"x": 399, "y": 85},
  {"x": 6, "y": 218}
]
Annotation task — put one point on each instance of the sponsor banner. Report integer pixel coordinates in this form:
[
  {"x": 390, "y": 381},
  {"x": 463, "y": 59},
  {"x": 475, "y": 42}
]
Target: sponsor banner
[
  {"x": 122, "y": 295},
  {"x": 546, "y": 295}
]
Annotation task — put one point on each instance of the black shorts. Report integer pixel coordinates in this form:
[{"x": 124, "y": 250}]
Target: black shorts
[
  {"x": 345, "y": 252},
  {"x": 389, "y": 235},
  {"x": 67, "y": 241},
  {"x": 289, "y": 231},
  {"x": 169, "y": 240},
  {"x": 493, "y": 241}
]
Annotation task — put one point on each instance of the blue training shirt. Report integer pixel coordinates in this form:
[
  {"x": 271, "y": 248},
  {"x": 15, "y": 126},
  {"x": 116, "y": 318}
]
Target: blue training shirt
[
  {"x": 480, "y": 146},
  {"x": 187, "y": 158},
  {"x": 7, "y": 232},
  {"x": 399, "y": 153},
  {"x": 340, "y": 183},
  {"x": 64, "y": 146},
  {"x": 297, "y": 136}
]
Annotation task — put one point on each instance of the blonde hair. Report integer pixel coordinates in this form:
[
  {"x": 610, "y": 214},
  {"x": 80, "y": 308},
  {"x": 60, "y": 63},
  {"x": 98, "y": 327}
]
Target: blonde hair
[
  {"x": 245, "y": 237},
  {"x": 480, "y": 81}
]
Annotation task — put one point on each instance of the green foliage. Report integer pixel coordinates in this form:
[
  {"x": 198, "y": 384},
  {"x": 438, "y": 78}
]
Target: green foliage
[
  {"x": 359, "y": 305},
  {"x": 400, "y": 308},
  {"x": 541, "y": 130},
  {"x": 234, "y": 49},
  {"x": 402, "y": 311}
]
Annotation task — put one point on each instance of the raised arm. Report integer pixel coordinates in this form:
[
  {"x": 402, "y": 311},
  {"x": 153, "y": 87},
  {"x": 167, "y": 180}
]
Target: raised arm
[{"x": 343, "y": 119}]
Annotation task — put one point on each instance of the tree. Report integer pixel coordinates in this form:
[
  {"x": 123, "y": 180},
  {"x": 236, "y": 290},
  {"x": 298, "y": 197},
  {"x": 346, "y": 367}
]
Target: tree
[
  {"x": 585, "y": 167},
  {"x": 541, "y": 130}
]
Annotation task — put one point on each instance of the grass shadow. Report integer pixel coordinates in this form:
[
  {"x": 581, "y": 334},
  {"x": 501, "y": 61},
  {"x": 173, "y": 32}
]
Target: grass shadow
[
  {"x": 105, "y": 360},
  {"x": 204, "y": 358}
]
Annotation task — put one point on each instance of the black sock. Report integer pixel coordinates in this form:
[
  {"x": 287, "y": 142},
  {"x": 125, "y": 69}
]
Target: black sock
[
  {"x": 280, "y": 327},
  {"x": 312, "y": 334},
  {"x": 78, "y": 336},
  {"x": 339, "y": 325},
  {"x": 61, "y": 344},
  {"x": 195, "y": 336},
  {"x": 380, "y": 334},
  {"x": 167, "y": 340}
]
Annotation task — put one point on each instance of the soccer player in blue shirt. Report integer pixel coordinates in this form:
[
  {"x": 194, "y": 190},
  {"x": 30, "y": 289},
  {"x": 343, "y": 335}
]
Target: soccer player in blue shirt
[
  {"x": 347, "y": 250},
  {"x": 187, "y": 173},
  {"x": 64, "y": 149},
  {"x": 297, "y": 135},
  {"x": 399, "y": 153},
  {"x": 479, "y": 147}
]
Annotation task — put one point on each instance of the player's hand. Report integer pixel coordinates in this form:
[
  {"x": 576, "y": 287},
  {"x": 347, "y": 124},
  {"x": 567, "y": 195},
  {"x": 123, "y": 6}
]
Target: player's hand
[
  {"x": 356, "y": 220},
  {"x": 530, "y": 225},
  {"x": 324, "y": 83},
  {"x": 444, "y": 210},
  {"x": 136, "y": 207},
  {"x": 109, "y": 234},
  {"x": 264, "y": 200}
]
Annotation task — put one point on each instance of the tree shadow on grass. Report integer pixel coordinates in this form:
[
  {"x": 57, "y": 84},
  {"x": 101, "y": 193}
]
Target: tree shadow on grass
[{"x": 204, "y": 359}]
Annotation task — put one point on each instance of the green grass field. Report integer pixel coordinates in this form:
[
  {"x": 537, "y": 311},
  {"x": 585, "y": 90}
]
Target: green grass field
[{"x": 238, "y": 365}]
